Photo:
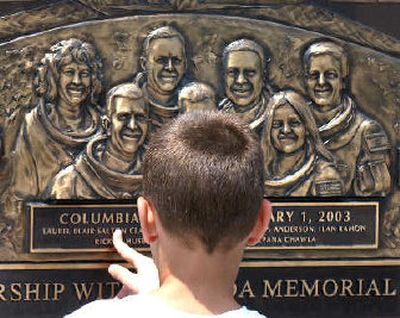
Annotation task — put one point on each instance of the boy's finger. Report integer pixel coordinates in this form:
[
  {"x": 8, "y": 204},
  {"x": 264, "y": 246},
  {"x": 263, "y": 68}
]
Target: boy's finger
[
  {"x": 129, "y": 254},
  {"x": 125, "y": 291},
  {"x": 125, "y": 277}
]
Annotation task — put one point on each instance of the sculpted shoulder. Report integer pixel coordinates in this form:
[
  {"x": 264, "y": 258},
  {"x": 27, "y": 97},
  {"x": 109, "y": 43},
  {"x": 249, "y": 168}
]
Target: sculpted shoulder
[
  {"x": 64, "y": 184},
  {"x": 368, "y": 124},
  {"x": 373, "y": 134},
  {"x": 326, "y": 170}
]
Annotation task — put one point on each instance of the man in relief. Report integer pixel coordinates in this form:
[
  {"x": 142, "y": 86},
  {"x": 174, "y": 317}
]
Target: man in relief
[
  {"x": 358, "y": 143},
  {"x": 296, "y": 161},
  {"x": 163, "y": 64},
  {"x": 110, "y": 167},
  {"x": 65, "y": 119},
  {"x": 197, "y": 96},
  {"x": 246, "y": 92}
]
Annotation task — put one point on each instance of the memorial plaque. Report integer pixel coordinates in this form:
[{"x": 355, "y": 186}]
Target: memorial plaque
[
  {"x": 85, "y": 84},
  {"x": 60, "y": 228},
  {"x": 275, "y": 289},
  {"x": 52, "y": 290},
  {"x": 82, "y": 228},
  {"x": 322, "y": 225},
  {"x": 82, "y": 100}
]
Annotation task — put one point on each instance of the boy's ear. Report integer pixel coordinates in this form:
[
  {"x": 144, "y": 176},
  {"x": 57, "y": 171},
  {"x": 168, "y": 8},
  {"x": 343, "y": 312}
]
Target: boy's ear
[
  {"x": 264, "y": 215},
  {"x": 147, "y": 216}
]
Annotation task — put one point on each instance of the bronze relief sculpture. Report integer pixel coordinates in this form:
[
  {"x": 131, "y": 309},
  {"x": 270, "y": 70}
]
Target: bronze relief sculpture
[
  {"x": 65, "y": 119},
  {"x": 296, "y": 161},
  {"x": 110, "y": 166},
  {"x": 5, "y": 169},
  {"x": 163, "y": 64},
  {"x": 197, "y": 96},
  {"x": 359, "y": 144},
  {"x": 320, "y": 128},
  {"x": 246, "y": 88},
  {"x": 85, "y": 84}
]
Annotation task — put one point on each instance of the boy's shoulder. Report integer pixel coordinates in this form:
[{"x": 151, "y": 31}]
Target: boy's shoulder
[
  {"x": 114, "y": 308},
  {"x": 242, "y": 312},
  {"x": 146, "y": 306}
]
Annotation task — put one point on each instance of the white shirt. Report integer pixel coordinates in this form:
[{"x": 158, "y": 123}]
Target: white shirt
[{"x": 148, "y": 307}]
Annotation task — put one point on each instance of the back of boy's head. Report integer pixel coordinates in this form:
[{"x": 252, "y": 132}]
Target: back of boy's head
[{"x": 204, "y": 175}]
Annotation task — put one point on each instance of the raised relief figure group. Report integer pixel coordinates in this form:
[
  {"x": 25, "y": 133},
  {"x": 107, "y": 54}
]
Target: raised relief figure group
[
  {"x": 66, "y": 118},
  {"x": 317, "y": 145}
]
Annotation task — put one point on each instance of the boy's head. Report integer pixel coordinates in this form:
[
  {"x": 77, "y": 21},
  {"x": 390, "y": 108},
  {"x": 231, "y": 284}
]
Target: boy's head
[{"x": 203, "y": 175}]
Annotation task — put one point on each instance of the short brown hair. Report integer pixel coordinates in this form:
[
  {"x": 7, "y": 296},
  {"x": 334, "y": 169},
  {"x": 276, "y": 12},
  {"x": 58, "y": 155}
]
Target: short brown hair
[{"x": 204, "y": 175}]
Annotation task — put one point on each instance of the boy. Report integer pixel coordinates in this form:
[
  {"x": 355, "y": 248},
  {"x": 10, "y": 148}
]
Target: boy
[{"x": 202, "y": 204}]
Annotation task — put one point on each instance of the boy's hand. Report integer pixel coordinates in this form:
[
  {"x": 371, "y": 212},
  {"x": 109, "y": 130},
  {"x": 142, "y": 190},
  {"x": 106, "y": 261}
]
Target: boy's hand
[{"x": 145, "y": 280}]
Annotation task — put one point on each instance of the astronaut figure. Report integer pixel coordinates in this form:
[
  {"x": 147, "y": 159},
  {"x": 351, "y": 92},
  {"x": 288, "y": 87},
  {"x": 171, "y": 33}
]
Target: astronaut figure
[{"x": 359, "y": 144}]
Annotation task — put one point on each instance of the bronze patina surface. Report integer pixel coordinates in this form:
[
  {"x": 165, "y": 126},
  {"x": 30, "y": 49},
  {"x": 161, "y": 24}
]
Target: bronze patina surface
[
  {"x": 85, "y": 83},
  {"x": 82, "y": 94}
]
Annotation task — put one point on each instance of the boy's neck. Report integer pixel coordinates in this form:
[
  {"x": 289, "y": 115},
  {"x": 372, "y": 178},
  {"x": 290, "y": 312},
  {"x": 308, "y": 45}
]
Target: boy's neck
[{"x": 196, "y": 282}]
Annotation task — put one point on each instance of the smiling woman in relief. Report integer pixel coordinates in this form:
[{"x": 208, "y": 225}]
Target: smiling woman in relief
[{"x": 296, "y": 161}]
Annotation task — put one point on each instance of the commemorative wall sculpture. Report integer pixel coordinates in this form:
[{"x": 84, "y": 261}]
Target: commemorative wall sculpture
[{"x": 82, "y": 95}]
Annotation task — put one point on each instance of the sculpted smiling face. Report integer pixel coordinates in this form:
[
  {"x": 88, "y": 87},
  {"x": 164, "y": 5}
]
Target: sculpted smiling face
[
  {"x": 324, "y": 81},
  {"x": 243, "y": 77},
  {"x": 165, "y": 64},
  {"x": 74, "y": 83},
  {"x": 288, "y": 131},
  {"x": 128, "y": 124}
]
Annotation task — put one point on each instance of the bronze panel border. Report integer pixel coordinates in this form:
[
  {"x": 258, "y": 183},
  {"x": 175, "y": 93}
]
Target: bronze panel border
[
  {"x": 329, "y": 204},
  {"x": 33, "y": 250},
  {"x": 253, "y": 248}
]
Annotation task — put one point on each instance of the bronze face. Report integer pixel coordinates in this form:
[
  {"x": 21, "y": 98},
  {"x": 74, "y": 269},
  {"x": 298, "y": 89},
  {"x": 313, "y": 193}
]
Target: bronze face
[
  {"x": 205, "y": 104},
  {"x": 324, "y": 81},
  {"x": 128, "y": 124},
  {"x": 197, "y": 96},
  {"x": 165, "y": 64},
  {"x": 288, "y": 132},
  {"x": 243, "y": 77},
  {"x": 74, "y": 83}
]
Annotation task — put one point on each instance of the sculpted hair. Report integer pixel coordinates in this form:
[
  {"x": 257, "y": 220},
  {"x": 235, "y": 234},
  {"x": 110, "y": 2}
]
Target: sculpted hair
[
  {"x": 246, "y": 45},
  {"x": 204, "y": 175},
  {"x": 126, "y": 90},
  {"x": 64, "y": 53},
  {"x": 165, "y": 32},
  {"x": 196, "y": 92},
  {"x": 327, "y": 47},
  {"x": 302, "y": 108}
]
